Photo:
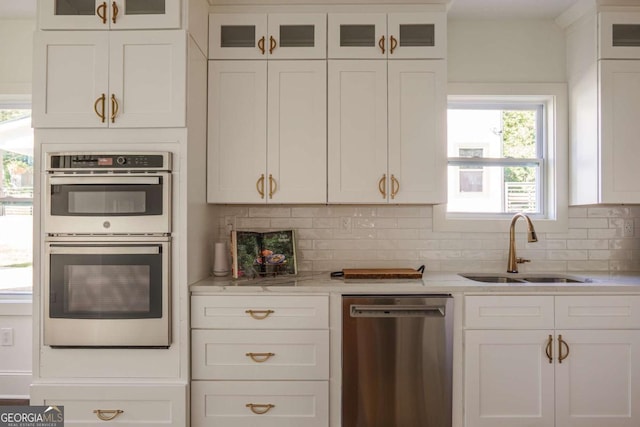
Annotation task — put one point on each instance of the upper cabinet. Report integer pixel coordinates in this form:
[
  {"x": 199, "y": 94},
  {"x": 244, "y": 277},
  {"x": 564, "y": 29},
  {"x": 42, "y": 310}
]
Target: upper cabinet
[
  {"x": 273, "y": 36},
  {"x": 128, "y": 79},
  {"x": 382, "y": 36},
  {"x": 108, "y": 15},
  {"x": 619, "y": 35}
]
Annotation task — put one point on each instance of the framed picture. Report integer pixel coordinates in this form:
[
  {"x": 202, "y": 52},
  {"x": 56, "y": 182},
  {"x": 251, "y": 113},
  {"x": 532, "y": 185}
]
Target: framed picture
[{"x": 263, "y": 254}]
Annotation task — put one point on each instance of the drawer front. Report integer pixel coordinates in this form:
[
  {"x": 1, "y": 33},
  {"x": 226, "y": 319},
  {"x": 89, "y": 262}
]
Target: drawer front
[
  {"x": 260, "y": 312},
  {"x": 508, "y": 312},
  {"x": 260, "y": 355},
  {"x": 284, "y": 403},
  {"x": 598, "y": 312},
  {"x": 121, "y": 405}
]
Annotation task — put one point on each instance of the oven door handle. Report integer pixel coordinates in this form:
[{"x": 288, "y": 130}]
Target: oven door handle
[
  {"x": 103, "y": 180},
  {"x": 104, "y": 250}
]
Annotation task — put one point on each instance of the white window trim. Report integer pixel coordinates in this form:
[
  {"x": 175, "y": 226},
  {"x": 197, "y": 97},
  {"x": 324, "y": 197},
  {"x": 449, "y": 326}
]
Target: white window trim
[{"x": 557, "y": 170}]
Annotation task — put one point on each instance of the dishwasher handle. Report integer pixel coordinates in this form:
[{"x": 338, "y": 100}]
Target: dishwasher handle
[{"x": 397, "y": 311}]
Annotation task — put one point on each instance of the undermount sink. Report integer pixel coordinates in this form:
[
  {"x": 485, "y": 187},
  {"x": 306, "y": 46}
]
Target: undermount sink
[{"x": 522, "y": 278}]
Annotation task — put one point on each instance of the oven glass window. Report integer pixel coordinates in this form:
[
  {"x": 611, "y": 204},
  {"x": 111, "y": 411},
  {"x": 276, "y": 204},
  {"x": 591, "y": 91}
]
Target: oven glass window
[
  {"x": 105, "y": 286},
  {"x": 106, "y": 200}
]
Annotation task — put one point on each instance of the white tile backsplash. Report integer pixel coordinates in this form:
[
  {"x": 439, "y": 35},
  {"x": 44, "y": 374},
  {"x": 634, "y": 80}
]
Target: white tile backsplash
[{"x": 330, "y": 238}]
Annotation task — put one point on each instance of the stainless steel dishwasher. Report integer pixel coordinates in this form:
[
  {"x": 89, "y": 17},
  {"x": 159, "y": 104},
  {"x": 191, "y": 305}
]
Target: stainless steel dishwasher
[{"x": 397, "y": 360}]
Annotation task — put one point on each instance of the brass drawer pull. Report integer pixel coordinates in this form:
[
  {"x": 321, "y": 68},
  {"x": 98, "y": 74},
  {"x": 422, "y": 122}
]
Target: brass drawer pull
[
  {"x": 562, "y": 342},
  {"x": 395, "y": 186},
  {"x": 259, "y": 314},
  {"x": 107, "y": 414},
  {"x": 114, "y": 13},
  {"x": 381, "y": 44},
  {"x": 260, "y": 408},
  {"x": 382, "y": 186},
  {"x": 260, "y": 186},
  {"x": 101, "y": 100},
  {"x": 261, "y": 45},
  {"x": 260, "y": 357},
  {"x": 272, "y": 44},
  {"x": 394, "y": 44},
  {"x": 114, "y": 108},
  {"x": 548, "y": 349},
  {"x": 273, "y": 186},
  {"x": 101, "y": 11}
]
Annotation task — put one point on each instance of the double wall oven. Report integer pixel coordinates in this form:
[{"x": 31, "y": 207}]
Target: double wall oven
[{"x": 107, "y": 219}]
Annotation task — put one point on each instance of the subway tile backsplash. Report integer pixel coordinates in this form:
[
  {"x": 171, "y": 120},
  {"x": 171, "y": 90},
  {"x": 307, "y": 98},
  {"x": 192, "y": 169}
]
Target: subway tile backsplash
[{"x": 330, "y": 238}]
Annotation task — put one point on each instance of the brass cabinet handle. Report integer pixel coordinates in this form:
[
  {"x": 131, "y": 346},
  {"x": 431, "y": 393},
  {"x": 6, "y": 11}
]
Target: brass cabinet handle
[
  {"x": 260, "y": 408},
  {"x": 101, "y": 100},
  {"x": 260, "y": 357},
  {"x": 101, "y": 11},
  {"x": 393, "y": 44},
  {"x": 260, "y": 186},
  {"x": 273, "y": 186},
  {"x": 395, "y": 186},
  {"x": 561, "y": 342},
  {"x": 114, "y": 108},
  {"x": 114, "y": 12},
  {"x": 548, "y": 349},
  {"x": 381, "y": 44},
  {"x": 259, "y": 314},
  {"x": 107, "y": 414},
  {"x": 382, "y": 186},
  {"x": 272, "y": 44},
  {"x": 261, "y": 45}
]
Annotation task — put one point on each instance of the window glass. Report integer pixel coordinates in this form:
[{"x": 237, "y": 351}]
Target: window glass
[{"x": 16, "y": 198}]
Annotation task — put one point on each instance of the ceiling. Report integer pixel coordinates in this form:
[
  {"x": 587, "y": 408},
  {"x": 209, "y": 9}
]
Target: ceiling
[{"x": 459, "y": 9}]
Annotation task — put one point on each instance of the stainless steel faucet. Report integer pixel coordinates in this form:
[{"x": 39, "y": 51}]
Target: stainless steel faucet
[{"x": 512, "y": 266}]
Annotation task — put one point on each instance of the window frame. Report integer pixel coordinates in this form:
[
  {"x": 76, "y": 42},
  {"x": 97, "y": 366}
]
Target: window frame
[{"x": 554, "y": 174}]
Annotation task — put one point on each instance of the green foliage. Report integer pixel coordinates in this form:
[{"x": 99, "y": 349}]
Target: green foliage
[{"x": 519, "y": 141}]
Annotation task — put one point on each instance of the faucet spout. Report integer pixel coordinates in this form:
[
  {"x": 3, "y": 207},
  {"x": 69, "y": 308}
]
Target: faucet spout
[{"x": 512, "y": 266}]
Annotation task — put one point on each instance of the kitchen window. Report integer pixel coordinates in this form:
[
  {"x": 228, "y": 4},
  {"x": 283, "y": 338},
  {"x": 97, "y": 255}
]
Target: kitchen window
[
  {"x": 507, "y": 153},
  {"x": 16, "y": 195}
]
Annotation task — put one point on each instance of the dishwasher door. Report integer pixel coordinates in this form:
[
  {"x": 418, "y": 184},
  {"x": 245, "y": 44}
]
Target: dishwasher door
[{"x": 397, "y": 354}]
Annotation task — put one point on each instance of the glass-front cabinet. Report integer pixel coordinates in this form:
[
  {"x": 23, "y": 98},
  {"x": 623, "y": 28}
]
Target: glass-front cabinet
[
  {"x": 273, "y": 36},
  {"x": 619, "y": 36},
  {"x": 108, "y": 14},
  {"x": 390, "y": 36}
]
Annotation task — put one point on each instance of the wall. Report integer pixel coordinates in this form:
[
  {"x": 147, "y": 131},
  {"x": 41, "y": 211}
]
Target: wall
[
  {"x": 334, "y": 237},
  {"x": 15, "y": 55}
]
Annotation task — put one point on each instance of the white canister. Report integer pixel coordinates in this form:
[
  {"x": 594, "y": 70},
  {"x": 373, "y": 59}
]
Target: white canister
[{"x": 220, "y": 259}]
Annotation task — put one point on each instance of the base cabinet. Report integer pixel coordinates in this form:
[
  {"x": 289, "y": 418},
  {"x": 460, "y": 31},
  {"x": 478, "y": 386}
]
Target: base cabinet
[
  {"x": 549, "y": 361},
  {"x": 122, "y": 405}
]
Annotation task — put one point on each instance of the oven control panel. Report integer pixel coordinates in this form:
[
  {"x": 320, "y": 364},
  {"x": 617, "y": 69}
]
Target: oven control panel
[{"x": 108, "y": 161}]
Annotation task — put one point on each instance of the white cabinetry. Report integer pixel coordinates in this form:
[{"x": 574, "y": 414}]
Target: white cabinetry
[
  {"x": 525, "y": 368},
  {"x": 604, "y": 83},
  {"x": 380, "y": 35},
  {"x": 267, "y": 122},
  {"x": 109, "y": 79},
  {"x": 260, "y": 360},
  {"x": 386, "y": 131},
  {"x": 112, "y": 14}
]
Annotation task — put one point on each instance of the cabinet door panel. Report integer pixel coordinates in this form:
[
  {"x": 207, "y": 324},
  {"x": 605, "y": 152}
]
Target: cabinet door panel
[
  {"x": 508, "y": 379},
  {"x": 360, "y": 35},
  {"x": 417, "y": 35},
  {"x": 598, "y": 384},
  {"x": 148, "y": 78},
  {"x": 77, "y": 15},
  {"x": 297, "y": 139},
  {"x": 620, "y": 127},
  {"x": 146, "y": 14},
  {"x": 619, "y": 35},
  {"x": 417, "y": 122},
  {"x": 357, "y": 125},
  {"x": 237, "y": 138},
  {"x": 299, "y": 36},
  {"x": 238, "y": 36},
  {"x": 70, "y": 76}
]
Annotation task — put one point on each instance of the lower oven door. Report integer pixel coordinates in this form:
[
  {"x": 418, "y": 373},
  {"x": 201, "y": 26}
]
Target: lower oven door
[{"x": 107, "y": 293}]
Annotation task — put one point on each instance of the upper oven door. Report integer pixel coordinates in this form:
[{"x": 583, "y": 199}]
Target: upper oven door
[{"x": 108, "y": 203}]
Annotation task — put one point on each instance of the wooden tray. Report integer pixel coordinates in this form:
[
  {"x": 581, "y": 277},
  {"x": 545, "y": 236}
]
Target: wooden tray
[{"x": 381, "y": 273}]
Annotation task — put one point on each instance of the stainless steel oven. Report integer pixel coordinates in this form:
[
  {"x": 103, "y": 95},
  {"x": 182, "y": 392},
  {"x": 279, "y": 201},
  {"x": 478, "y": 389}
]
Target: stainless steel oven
[
  {"x": 107, "y": 193},
  {"x": 107, "y": 292}
]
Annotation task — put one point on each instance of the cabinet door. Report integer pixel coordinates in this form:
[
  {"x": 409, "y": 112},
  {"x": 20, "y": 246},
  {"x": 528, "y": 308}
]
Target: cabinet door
[
  {"x": 508, "y": 379},
  {"x": 619, "y": 127},
  {"x": 237, "y": 139},
  {"x": 238, "y": 36},
  {"x": 598, "y": 383},
  {"x": 417, "y": 35},
  {"x": 362, "y": 35},
  {"x": 70, "y": 79},
  {"x": 619, "y": 35},
  {"x": 297, "y": 36},
  {"x": 147, "y": 79},
  {"x": 357, "y": 159},
  {"x": 417, "y": 123},
  {"x": 104, "y": 15},
  {"x": 297, "y": 132}
]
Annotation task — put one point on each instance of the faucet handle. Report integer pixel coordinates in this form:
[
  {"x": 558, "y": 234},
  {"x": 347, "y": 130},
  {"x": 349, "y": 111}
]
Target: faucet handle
[{"x": 521, "y": 260}]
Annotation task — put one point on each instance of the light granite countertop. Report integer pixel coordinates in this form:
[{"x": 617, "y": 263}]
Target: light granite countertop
[{"x": 431, "y": 282}]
